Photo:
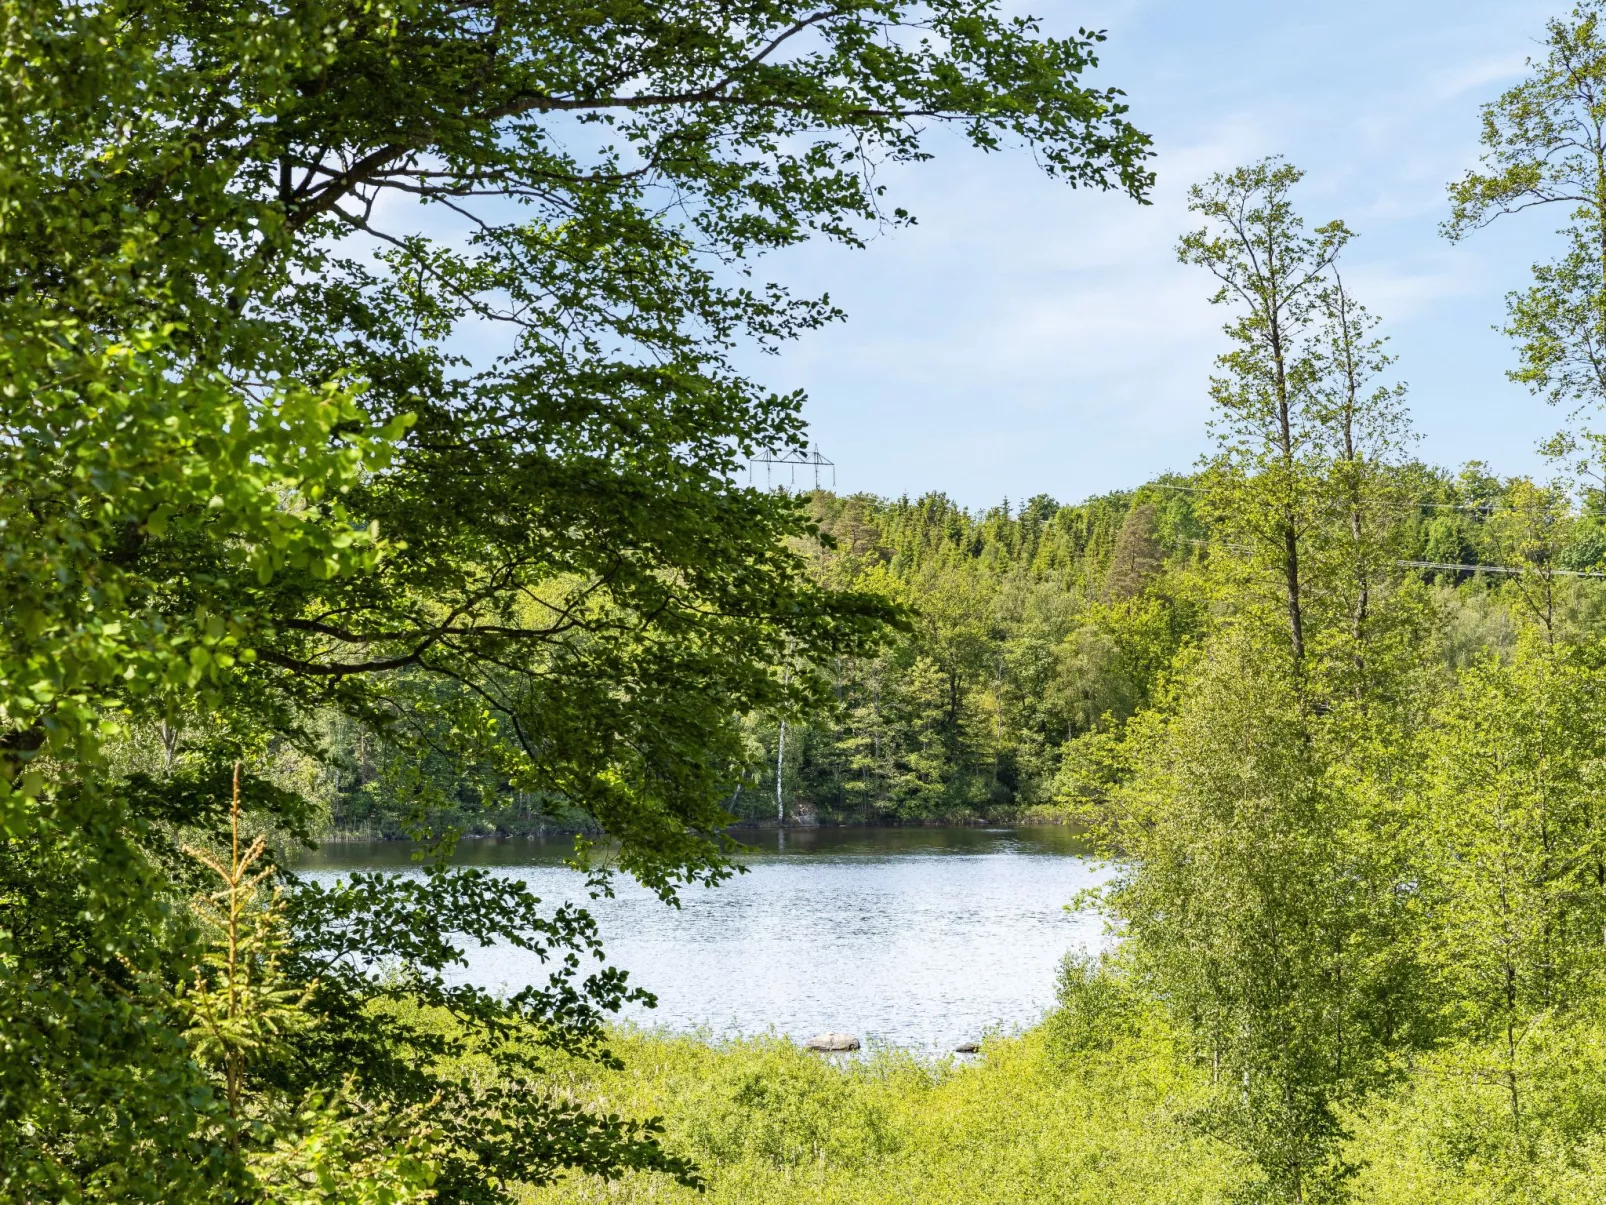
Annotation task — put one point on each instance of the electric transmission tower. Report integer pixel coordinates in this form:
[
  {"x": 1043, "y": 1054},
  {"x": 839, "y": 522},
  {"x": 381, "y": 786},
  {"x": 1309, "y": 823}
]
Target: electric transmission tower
[{"x": 789, "y": 462}]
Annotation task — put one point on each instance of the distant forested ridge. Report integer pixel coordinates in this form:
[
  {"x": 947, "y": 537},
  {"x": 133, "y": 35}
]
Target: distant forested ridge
[
  {"x": 1031, "y": 627},
  {"x": 1038, "y": 624}
]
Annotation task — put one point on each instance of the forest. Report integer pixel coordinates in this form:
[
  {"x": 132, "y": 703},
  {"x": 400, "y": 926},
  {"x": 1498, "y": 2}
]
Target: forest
[
  {"x": 1336, "y": 718},
  {"x": 1038, "y": 629},
  {"x": 280, "y": 560}
]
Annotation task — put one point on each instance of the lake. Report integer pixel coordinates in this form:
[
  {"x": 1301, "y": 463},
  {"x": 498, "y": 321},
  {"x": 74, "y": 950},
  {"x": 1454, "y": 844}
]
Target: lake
[{"x": 912, "y": 937}]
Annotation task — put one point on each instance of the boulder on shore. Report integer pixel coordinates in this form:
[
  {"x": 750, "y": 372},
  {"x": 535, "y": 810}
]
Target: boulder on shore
[{"x": 832, "y": 1042}]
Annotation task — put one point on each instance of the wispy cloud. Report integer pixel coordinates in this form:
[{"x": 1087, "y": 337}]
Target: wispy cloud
[{"x": 1025, "y": 337}]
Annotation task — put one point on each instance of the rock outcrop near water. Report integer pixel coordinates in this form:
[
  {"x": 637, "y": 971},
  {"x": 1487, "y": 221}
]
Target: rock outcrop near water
[{"x": 832, "y": 1042}]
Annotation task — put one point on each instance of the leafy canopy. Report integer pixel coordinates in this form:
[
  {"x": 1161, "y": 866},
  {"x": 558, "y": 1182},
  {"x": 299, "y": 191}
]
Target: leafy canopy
[{"x": 374, "y": 360}]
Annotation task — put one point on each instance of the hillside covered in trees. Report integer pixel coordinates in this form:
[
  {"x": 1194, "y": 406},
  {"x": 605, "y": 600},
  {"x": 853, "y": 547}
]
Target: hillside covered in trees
[
  {"x": 1030, "y": 628},
  {"x": 1035, "y": 626}
]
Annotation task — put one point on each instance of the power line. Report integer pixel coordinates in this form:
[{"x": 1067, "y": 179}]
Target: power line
[
  {"x": 1452, "y": 566},
  {"x": 793, "y": 459},
  {"x": 1494, "y": 568},
  {"x": 1485, "y": 508}
]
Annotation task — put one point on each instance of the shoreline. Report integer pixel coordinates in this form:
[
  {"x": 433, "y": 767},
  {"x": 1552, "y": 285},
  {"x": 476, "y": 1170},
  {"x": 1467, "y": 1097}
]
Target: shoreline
[{"x": 542, "y": 832}]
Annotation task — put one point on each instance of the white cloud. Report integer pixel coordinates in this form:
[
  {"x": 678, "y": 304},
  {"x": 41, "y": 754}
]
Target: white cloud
[{"x": 1025, "y": 337}]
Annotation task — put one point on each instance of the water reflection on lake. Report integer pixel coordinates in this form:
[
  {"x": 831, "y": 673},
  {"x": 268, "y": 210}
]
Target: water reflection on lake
[{"x": 919, "y": 937}]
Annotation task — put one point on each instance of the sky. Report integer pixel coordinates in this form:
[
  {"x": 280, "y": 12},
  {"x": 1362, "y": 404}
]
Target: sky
[{"x": 1029, "y": 338}]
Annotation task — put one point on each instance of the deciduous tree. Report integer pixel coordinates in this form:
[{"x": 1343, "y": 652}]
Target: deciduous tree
[{"x": 249, "y": 474}]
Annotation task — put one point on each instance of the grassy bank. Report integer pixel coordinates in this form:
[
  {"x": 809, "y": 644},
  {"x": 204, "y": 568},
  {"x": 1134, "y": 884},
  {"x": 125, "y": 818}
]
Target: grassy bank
[
  {"x": 1098, "y": 1104},
  {"x": 1029, "y": 1122}
]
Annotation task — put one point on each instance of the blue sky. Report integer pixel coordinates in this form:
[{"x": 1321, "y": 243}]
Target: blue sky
[{"x": 1026, "y": 338}]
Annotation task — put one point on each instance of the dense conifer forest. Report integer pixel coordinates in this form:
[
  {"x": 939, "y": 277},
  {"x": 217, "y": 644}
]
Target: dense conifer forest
[
  {"x": 1038, "y": 625},
  {"x": 1033, "y": 627}
]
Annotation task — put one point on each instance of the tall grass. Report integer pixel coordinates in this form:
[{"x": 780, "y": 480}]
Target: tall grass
[
  {"x": 1099, "y": 1104},
  {"x": 1033, "y": 1120}
]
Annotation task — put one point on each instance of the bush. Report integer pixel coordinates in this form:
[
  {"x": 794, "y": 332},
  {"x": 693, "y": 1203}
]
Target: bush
[{"x": 1032, "y": 1123}]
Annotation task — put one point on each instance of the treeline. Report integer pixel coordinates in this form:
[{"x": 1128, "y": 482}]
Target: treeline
[
  {"x": 1030, "y": 627},
  {"x": 1034, "y": 626},
  {"x": 1026, "y": 629}
]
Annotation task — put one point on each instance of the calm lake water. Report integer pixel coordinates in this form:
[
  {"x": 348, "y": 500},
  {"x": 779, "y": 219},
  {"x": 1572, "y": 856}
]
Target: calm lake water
[{"x": 919, "y": 938}]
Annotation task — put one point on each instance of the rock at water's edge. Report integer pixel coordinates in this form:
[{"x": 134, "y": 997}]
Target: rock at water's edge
[
  {"x": 968, "y": 1048},
  {"x": 832, "y": 1042}
]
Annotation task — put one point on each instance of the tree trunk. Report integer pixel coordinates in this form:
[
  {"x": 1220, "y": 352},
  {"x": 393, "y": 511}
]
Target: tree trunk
[{"x": 1285, "y": 435}]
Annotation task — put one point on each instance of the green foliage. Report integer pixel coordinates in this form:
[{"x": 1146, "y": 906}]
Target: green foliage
[
  {"x": 245, "y": 1011},
  {"x": 1034, "y": 631},
  {"x": 1028, "y": 629},
  {"x": 1028, "y": 1124},
  {"x": 1336, "y": 714},
  {"x": 1301, "y": 483},
  {"x": 1545, "y": 144},
  {"x": 1097, "y": 1007},
  {"x": 1254, "y": 804},
  {"x": 1513, "y": 864},
  {"x": 251, "y": 495},
  {"x": 1446, "y": 1135},
  {"x": 1261, "y": 902},
  {"x": 1361, "y": 868}
]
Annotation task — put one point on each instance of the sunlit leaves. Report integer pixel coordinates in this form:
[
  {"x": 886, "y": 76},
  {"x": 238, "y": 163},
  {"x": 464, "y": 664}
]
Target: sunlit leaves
[{"x": 1544, "y": 144}]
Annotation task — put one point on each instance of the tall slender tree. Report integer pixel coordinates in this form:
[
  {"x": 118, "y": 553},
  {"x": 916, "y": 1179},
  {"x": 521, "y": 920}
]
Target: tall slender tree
[
  {"x": 1273, "y": 272},
  {"x": 1263, "y": 900},
  {"x": 1363, "y": 428}
]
